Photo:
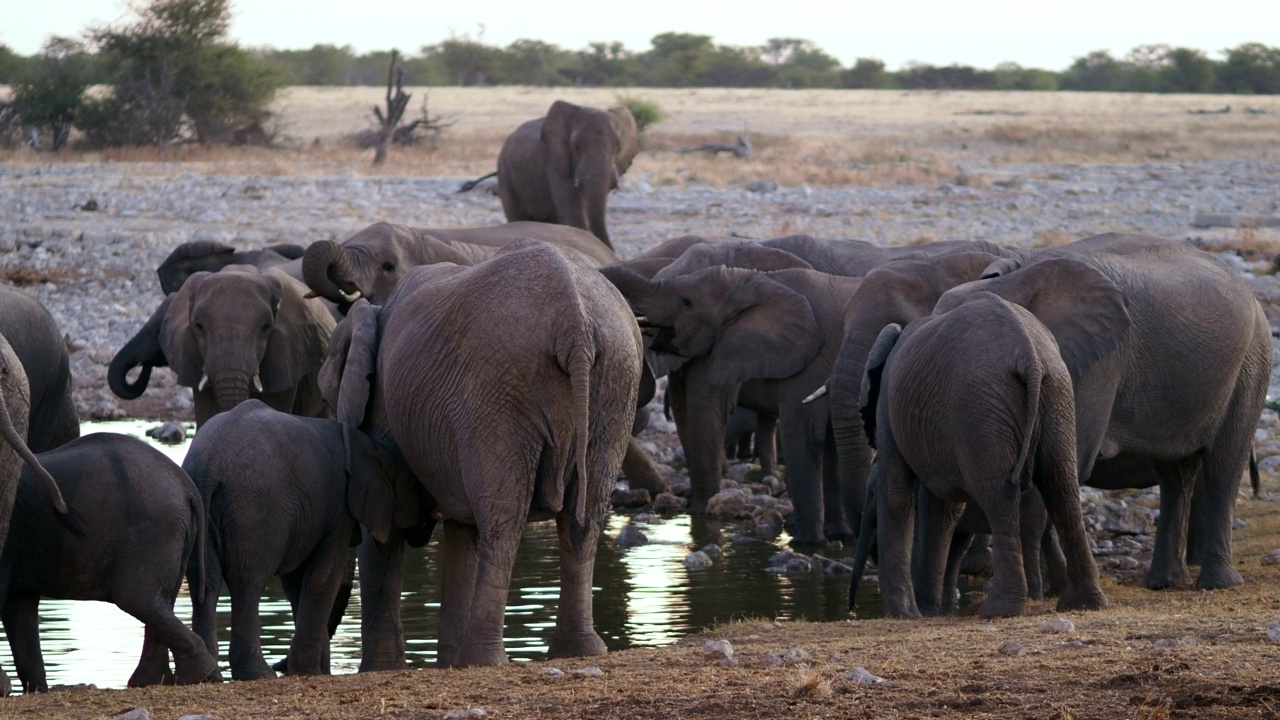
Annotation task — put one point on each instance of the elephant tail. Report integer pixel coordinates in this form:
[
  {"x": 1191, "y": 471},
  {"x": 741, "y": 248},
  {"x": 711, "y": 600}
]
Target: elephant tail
[
  {"x": 470, "y": 184},
  {"x": 578, "y": 365},
  {"x": 1255, "y": 481},
  {"x": 197, "y": 577}
]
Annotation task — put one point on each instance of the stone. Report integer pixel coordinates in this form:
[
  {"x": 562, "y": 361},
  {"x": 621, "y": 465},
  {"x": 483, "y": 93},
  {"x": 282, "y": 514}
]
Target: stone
[
  {"x": 762, "y": 186},
  {"x": 135, "y": 714},
  {"x": 1273, "y": 631},
  {"x": 729, "y": 662},
  {"x": 668, "y": 502},
  {"x": 1012, "y": 648},
  {"x": 717, "y": 649},
  {"x": 467, "y": 714},
  {"x": 728, "y": 504},
  {"x": 1129, "y": 521},
  {"x": 554, "y": 673},
  {"x": 862, "y": 676},
  {"x": 631, "y": 536},
  {"x": 591, "y": 671},
  {"x": 1168, "y": 643},
  {"x": 1058, "y": 625},
  {"x": 798, "y": 566},
  {"x": 697, "y": 561},
  {"x": 633, "y": 498},
  {"x": 711, "y": 549},
  {"x": 1271, "y": 557},
  {"x": 170, "y": 433}
]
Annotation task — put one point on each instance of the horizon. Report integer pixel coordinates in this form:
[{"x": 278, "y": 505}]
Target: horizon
[{"x": 1048, "y": 36}]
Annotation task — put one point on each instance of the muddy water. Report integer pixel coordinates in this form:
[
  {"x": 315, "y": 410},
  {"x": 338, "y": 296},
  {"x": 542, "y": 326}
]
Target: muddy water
[{"x": 644, "y": 597}]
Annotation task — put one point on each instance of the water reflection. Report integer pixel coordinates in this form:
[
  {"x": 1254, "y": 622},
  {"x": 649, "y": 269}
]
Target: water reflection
[{"x": 644, "y": 597}]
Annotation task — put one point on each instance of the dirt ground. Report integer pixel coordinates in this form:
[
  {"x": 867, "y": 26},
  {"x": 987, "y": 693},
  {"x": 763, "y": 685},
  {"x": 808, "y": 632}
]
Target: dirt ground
[{"x": 1149, "y": 655}]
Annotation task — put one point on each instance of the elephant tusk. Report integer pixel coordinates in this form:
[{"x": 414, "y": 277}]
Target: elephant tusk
[
  {"x": 204, "y": 382},
  {"x": 257, "y": 383},
  {"x": 816, "y": 394},
  {"x": 351, "y": 297}
]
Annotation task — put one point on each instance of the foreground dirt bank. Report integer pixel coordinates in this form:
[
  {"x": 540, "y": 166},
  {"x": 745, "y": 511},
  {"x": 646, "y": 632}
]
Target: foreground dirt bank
[{"x": 1181, "y": 654}]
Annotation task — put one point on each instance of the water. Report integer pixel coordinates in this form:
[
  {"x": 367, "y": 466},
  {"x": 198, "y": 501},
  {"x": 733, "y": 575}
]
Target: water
[{"x": 644, "y": 597}]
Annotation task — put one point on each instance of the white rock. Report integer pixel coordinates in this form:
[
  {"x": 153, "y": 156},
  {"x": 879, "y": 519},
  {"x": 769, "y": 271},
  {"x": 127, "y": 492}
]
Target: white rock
[
  {"x": 697, "y": 561},
  {"x": 862, "y": 676},
  {"x": 467, "y": 714},
  {"x": 1012, "y": 648},
  {"x": 591, "y": 671},
  {"x": 1058, "y": 625},
  {"x": 717, "y": 649}
]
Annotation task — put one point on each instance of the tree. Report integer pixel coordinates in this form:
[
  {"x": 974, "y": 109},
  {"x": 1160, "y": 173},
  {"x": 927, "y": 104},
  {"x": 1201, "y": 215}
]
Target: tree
[
  {"x": 176, "y": 54},
  {"x": 1188, "y": 71},
  {"x": 1012, "y": 76},
  {"x": 679, "y": 59},
  {"x": 51, "y": 90},
  {"x": 12, "y": 65},
  {"x": 396, "y": 103},
  {"x": 533, "y": 62},
  {"x": 1251, "y": 68},
  {"x": 469, "y": 62},
  {"x": 867, "y": 73},
  {"x": 800, "y": 63},
  {"x": 1095, "y": 71}
]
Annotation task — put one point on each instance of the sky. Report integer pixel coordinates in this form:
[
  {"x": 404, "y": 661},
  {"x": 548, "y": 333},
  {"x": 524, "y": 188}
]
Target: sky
[{"x": 1046, "y": 33}]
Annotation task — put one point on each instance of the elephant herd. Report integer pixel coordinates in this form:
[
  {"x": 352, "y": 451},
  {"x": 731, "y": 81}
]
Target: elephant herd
[{"x": 358, "y": 394}]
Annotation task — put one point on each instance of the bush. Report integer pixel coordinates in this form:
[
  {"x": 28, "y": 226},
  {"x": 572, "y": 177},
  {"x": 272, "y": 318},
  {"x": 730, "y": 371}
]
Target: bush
[
  {"x": 646, "y": 112},
  {"x": 49, "y": 93}
]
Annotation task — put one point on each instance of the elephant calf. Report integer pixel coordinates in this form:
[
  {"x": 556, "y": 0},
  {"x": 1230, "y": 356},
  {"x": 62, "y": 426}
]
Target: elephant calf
[
  {"x": 279, "y": 491},
  {"x": 975, "y": 403},
  {"x": 141, "y": 517}
]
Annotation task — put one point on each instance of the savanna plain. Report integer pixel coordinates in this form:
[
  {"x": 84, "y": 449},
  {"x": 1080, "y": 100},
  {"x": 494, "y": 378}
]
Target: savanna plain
[{"x": 889, "y": 167}]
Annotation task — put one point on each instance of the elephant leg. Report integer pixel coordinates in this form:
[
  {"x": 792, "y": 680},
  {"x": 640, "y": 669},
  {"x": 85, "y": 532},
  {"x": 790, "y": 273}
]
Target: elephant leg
[
  {"x": 701, "y": 409},
  {"x": 807, "y": 522},
  {"x": 575, "y": 633},
  {"x": 1168, "y": 559},
  {"x": 381, "y": 579},
  {"x": 838, "y": 524},
  {"x": 458, "y": 563},
  {"x": 245, "y": 652},
  {"x": 1055, "y": 563},
  {"x": 204, "y": 605},
  {"x": 192, "y": 661},
  {"x": 737, "y": 433},
  {"x": 640, "y": 471},
  {"x": 960, "y": 542},
  {"x": 1058, "y": 482},
  {"x": 317, "y": 590},
  {"x": 1214, "y": 511},
  {"x": 936, "y": 521},
  {"x": 21, "y": 618},
  {"x": 895, "y": 518},
  {"x": 1034, "y": 520},
  {"x": 1008, "y": 590},
  {"x": 153, "y": 665},
  {"x": 766, "y": 442}
]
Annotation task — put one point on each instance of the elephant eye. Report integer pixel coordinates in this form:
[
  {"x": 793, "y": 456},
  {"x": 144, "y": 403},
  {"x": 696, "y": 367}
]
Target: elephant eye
[
  {"x": 199, "y": 326},
  {"x": 266, "y": 328},
  {"x": 389, "y": 266},
  {"x": 686, "y": 302}
]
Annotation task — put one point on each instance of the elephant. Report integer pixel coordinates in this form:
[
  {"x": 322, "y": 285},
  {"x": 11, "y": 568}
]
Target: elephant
[
  {"x": 36, "y": 339},
  {"x": 782, "y": 328},
  {"x": 856, "y": 258},
  {"x": 508, "y": 389},
  {"x": 561, "y": 168},
  {"x": 230, "y": 335},
  {"x": 1170, "y": 355},
  {"x": 141, "y": 519},
  {"x": 975, "y": 402},
  {"x": 211, "y": 256},
  {"x": 292, "y": 514},
  {"x": 371, "y": 262}
]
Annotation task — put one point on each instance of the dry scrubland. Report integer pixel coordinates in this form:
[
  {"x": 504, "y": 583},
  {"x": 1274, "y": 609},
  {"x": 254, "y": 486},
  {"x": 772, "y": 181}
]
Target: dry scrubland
[{"x": 943, "y": 158}]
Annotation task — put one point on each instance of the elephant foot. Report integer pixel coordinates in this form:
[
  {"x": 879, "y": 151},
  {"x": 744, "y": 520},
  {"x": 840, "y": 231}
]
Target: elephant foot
[
  {"x": 808, "y": 543},
  {"x": 842, "y": 534},
  {"x": 899, "y": 607},
  {"x": 252, "y": 671},
  {"x": 198, "y": 669},
  {"x": 1218, "y": 576},
  {"x": 6, "y": 685},
  {"x": 376, "y": 664},
  {"x": 475, "y": 653},
  {"x": 1165, "y": 576},
  {"x": 1083, "y": 599},
  {"x": 698, "y": 504},
  {"x": 996, "y": 606},
  {"x": 281, "y": 666},
  {"x": 576, "y": 645}
]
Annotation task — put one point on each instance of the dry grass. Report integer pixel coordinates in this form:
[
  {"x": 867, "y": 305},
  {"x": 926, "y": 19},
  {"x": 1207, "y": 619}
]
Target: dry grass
[
  {"x": 936, "y": 668},
  {"x": 816, "y": 137}
]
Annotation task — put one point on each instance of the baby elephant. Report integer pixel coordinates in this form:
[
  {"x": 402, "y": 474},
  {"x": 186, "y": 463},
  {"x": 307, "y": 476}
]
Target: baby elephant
[
  {"x": 977, "y": 404},
  {"x": 280, "y": 492},
  {"x": 141, "y": 518}
]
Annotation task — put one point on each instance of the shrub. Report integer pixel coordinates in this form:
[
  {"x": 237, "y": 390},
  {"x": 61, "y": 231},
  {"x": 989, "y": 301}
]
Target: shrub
[
  {"x": 646, "y": 112},
  {"x": 49, "y": 93}
]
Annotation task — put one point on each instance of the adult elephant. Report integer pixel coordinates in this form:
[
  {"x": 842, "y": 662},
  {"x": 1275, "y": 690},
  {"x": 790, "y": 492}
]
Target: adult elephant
[
  {"x": 36, "y": 339},
  {"x": 371, "y": 262},
  {"x": 1182, "y": 384},
  {"x": 211, "y": 256},
  {"x": 561, "y": 168},
  {"x": 237, "y": 333},
  {"x": 856, "y": 258},
  {"x": 508, "y": 389},
  {"x": 782, "y": 328},
  {"x": 975, "y": 403}
]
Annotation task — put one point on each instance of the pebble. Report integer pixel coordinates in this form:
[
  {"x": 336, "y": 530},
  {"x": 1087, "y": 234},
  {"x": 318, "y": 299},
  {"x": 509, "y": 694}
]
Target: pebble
[
  {"x": 1058, "y": 625},
  {"x": 1166, "y": 643},
  {"x": 1273, "y": 631},
  {"x": 717, "y": 649},
  {"x": 553, "y": 673},
  {"x": 135, "y": 714},
  {"x": 711, "y": 550},
  {"x": 631, "y": 536},
  {"x": 1013, "y": 648},
  {"x": 170, "y": 433},
  {"x": 668, "y": 502},
  {"x": 697, "y": 561},
  {"x": 466, "y": 714},
  {"x": 862, "y": 676},
  {"x": 591, "y": 671},
  {"x": 1272, "y": 557}
]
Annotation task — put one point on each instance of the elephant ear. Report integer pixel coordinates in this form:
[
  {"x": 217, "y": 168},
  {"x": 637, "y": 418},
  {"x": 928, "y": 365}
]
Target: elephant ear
[
  {"x": 772, "y": 332},
  {"x": 1000, "y": 268},
  {"x": 380, "y": 493},
  {"x": 192, "y": 257},
  {"x": 345, "y": 379},
  {"x": 1086, "y": 312},
  {"x": 296, "y": 346},
  {"x": 869, "y": 395},
  {"x": 557, "y": 127},
  {"x": 177, "y": 334},
  {"x": 624, "y": 126}
]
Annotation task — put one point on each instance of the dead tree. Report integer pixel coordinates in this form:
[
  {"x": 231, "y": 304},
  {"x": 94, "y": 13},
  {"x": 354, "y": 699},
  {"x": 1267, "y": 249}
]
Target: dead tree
[
  {"x": 740, "y": 147},
  {"x": 396, "y": 103}
]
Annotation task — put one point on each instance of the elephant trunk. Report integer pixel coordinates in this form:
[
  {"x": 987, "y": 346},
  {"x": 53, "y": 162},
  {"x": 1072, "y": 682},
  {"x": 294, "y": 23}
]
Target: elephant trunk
[
  {"x": 142, "y": 350},
  {"x": 328, "y": 271},
  {"x": 230, "y": 388},
  {"x": 14, "y": 438},
  {"x": 595, "y": 177}
]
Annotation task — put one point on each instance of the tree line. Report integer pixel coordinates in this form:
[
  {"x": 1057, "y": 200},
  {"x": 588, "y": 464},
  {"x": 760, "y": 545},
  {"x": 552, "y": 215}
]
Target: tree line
[{"x": 174, "y": 74}]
